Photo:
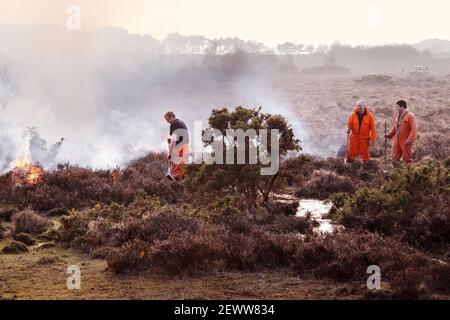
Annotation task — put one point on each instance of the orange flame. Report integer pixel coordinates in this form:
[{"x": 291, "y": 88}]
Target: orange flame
[
  {"x": 26, "y": 172},
  {"x": 115, "y": 175},
  {"x": 34, "y": 175}
]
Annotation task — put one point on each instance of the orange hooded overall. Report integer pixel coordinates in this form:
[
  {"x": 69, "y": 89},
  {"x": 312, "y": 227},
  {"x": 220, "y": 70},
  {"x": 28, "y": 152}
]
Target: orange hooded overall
[
  {"x": 361, "y": 135},
  {"x": 404, "y": 134}
]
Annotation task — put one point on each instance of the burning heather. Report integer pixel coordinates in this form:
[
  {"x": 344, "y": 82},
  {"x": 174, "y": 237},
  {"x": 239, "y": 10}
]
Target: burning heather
[
  {"x": 26, "y": 173},
  {"x": 115, "y": 175}
]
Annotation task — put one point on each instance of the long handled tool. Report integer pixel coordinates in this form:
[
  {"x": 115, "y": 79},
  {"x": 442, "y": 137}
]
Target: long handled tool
[
  {"x": 169, "y": 171},
  {"x": 169, "y": 163},
  {"x": 346, "y": 149},
  {"x": 385, "y": 148}
]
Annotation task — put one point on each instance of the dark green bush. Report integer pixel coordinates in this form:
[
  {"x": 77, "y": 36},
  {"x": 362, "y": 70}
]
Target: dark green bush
[{"x": 412, "y": 204}]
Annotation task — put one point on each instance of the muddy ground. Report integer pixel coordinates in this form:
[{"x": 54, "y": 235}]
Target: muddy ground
[{"x": 41, "y": 274}]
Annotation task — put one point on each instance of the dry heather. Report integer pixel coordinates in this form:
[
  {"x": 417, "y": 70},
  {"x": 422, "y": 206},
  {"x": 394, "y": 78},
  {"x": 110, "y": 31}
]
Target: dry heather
[
  {"x": 29, "y": 222},
  {"x": 391, "y": 222},
  {"x": 313, "y": 177},
  {"x": 323, "y": 183},
  {"x": 399, "y": 222},
  {"x": 70, "y": 187},
  {"x": 188, "y": 241}
]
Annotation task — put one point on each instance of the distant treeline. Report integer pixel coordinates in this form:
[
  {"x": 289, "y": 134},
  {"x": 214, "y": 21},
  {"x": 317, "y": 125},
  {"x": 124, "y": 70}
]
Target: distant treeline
[{"x": 335, "y": 59}]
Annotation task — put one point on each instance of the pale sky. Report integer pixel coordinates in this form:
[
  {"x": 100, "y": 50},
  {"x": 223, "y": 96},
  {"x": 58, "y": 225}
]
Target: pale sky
[{"x": 269, "y": 21}]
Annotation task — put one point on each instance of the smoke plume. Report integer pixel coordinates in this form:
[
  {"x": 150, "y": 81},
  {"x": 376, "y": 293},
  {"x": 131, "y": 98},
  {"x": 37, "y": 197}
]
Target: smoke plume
[{"x": 106, "y": 92}]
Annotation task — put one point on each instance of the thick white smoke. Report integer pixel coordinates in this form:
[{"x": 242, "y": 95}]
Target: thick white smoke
[{"x": 106, "y": 93}]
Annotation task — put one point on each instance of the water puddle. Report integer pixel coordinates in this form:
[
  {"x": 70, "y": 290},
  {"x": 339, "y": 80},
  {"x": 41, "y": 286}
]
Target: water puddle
[{"x": 317, "y": 209}]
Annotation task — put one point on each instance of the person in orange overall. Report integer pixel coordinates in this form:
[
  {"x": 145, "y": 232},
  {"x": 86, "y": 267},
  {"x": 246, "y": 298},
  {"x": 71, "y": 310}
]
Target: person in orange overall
[
  {"x": 404, "y": 133},
  {"x": 362, "y": 130},
  {"x": 178, "y": 145}
]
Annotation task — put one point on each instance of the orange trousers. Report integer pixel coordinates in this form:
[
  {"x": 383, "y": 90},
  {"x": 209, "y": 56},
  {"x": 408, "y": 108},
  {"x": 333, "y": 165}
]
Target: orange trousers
[
  {"x": 401, "y": 150},
  {"x": 359, "y": 147},
  {"x": 177, "y": 165},
  {"x": 178, "y": 170}
]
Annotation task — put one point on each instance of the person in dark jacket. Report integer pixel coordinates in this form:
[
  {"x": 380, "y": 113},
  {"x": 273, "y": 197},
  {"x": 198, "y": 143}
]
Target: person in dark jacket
[{"x": 178, "y": 145}]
